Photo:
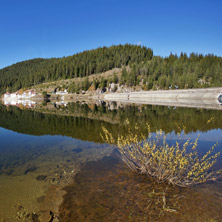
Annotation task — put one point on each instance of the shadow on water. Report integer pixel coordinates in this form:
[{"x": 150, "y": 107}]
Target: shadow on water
[{"x": 107, "y": 190}]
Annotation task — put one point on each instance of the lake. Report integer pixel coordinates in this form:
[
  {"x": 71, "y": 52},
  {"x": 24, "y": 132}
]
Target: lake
[{"x": 53, "y": 163}]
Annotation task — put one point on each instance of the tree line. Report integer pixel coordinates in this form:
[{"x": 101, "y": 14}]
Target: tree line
[
  {"x": 141, "y": 68},
  {"x": 173, "y": 72}
]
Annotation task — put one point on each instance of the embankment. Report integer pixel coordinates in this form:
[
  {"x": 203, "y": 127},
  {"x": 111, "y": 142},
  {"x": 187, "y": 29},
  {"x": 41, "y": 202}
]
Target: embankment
[{"x": 198, "y": 98}]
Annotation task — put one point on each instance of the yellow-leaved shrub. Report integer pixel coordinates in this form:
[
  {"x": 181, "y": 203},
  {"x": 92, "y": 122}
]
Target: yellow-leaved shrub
[{"x": 177, "y": 164}]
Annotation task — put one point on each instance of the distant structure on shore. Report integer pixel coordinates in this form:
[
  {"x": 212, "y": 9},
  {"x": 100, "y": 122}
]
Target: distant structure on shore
[
  {"x": 20, "y": 98},
  {"x": 20, "y": 95}
]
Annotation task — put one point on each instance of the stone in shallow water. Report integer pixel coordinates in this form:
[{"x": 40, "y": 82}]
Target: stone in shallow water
[
  {"x": 35, "y": 217},
  {"x": 41, "y": 177},
  {"x": 10, "y": 172},
  {"x": 41, "y": 199},
  {"x": 78, "y": 150},
  {"x": 31, "y": 169}
]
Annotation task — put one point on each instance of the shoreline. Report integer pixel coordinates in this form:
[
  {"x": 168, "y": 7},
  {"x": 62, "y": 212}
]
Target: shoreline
[{"x": 207, "y": 98}]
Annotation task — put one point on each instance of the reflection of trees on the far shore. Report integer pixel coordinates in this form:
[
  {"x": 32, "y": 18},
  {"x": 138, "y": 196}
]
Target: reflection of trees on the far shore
[
  {"x": 83, "y": 120},
  {"x": 158, "y": 117}
]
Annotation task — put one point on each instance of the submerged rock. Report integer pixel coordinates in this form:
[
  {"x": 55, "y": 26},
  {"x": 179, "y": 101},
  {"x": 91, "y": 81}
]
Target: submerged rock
[
  {"x": 35, "y": 217},
  {"x": 41, "y": 177},
  {"x": 31, "y": 169},
  {"x": 78, "y": 150}
]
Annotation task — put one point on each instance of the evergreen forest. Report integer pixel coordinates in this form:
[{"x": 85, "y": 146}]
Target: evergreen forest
[{"x": 139, "y": 67}]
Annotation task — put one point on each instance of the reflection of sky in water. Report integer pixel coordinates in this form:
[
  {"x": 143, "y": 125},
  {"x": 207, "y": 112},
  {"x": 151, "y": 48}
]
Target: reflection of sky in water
[
  {"x": 11, "y": 137},
  {"x": 14, "y": 139},
  {"x": 214, "y": 135},
  {"x": 13, "y": 142},
  {"x": 17, "y": 147}
]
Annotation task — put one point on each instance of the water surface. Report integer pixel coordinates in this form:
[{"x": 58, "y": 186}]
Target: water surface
[{"x": 57, "y": 145}]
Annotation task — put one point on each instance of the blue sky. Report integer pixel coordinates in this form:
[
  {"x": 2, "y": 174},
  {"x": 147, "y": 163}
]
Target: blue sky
[{"x": 56, "y": 28}]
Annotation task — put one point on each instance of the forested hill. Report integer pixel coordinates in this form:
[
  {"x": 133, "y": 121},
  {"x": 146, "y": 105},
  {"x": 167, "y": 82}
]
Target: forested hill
[
  {"x": 193, "y": 71},
  {"x": 146, "y": 70},
  {"x": 35, "y": 71}
]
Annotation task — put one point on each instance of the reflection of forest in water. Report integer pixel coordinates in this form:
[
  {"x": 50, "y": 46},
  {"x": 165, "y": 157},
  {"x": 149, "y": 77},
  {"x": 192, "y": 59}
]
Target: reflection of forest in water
[
  {"x": 83, "y": 121},
  {"x": 113, "y": 191}
]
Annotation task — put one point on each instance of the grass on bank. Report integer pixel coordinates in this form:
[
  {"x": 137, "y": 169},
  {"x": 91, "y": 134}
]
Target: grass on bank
[{"x": 177, "y": 164}]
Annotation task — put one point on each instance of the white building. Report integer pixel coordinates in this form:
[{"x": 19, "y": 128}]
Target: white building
[
  {"x": 62, "y": 92},
  {"x": 28, "y": 94},
  {"x": 7, "y": 95}
]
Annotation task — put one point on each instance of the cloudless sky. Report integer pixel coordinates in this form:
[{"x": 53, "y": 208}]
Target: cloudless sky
[{"x": 56, "y": 28}]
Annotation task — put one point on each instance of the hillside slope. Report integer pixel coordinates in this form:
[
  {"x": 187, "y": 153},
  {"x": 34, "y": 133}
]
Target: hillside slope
[{"x": 35, "y": 71}]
